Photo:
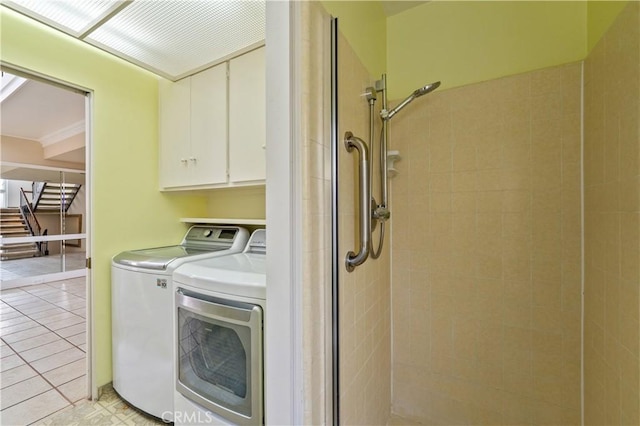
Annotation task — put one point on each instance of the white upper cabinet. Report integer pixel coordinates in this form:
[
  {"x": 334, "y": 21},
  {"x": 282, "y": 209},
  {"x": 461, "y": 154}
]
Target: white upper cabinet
[
  {"x": 208, "y": 159},
  {"x": 212, "y": 126},
  {"x": 174, "y": 132},
  {"x": 247, "y": 116}
]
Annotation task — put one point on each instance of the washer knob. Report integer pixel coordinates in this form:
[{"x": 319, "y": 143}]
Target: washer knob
[{"x": 208, "y": 232}]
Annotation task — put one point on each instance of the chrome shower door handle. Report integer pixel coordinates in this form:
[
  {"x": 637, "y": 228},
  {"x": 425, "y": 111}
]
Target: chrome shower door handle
[{"x": 352, "y": 142}]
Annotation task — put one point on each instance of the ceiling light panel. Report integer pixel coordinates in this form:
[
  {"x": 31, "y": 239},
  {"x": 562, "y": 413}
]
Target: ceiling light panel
[
  {"x": 71, "y": 16},
  {"x": 176, "y": 37}
]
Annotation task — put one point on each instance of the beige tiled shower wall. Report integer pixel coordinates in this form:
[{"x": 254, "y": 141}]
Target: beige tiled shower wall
[
  {"x": 315, "y": 117},
  {"x": 612, "y": 225},
  {"x": 486, "y": 253},
  {"x": 365, "y": 345}
]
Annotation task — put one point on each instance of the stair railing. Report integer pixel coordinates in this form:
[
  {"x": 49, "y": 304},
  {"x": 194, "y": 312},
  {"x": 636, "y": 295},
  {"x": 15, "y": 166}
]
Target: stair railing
[
  {"x": 32, "y": 221},
  {"x": 37, "y": 188},
  {"x": 72, "y": 197}
]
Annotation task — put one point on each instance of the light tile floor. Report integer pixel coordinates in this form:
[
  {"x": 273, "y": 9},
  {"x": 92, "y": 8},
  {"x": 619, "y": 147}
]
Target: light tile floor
[
  {"x": 43, "y": 349},
  {"x": 43, "y": 361},
  {"x": 108, "y": 410},
  {"x": 33, "y": 266}
]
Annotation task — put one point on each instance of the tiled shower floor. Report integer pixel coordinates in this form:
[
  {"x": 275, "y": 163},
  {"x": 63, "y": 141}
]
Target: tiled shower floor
[{"x": 43, "y": 342}]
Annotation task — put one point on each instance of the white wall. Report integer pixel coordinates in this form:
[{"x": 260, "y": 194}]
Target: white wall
[{"x": 13, "y": 192}]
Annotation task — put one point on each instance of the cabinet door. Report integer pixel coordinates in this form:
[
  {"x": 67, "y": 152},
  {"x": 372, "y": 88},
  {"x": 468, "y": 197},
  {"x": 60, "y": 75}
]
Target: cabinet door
[
  {"x": 247, "y": 116},
  {"x": 208, "y": 159},
  {"x": 174, "y": 133}
]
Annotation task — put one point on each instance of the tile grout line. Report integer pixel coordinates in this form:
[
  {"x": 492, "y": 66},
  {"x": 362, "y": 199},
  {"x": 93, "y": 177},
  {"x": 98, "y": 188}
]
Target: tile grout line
[
  {"x": 41, "y": 375},
  {"x": 43, "y": 325},
  {"x": 51, "y": 330},
  {"x": 43, "y": 378},
  {"x": 55, "y": 353},
  {"x": 51, "y": 414}
]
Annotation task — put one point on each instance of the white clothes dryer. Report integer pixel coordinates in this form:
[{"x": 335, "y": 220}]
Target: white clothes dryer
[
  {"x": 219, "y": 319},
  {"x": 142, "y": 313}
]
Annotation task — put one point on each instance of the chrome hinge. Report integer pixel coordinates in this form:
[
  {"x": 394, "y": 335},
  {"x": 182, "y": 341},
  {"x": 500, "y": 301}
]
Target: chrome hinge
[{"x": 88, "y": 263}]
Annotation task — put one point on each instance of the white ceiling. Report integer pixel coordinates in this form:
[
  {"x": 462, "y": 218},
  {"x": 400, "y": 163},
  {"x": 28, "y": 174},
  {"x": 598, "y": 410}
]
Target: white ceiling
[
  {"x": 173, "y": 38},
  {"x": 44, "y": 113},
  {"x": 41, "y": 112}
]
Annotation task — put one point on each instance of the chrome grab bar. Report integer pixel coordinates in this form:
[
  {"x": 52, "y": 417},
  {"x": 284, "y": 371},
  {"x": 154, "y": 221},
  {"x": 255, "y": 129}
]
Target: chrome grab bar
[{"x": 352, "y": 260}]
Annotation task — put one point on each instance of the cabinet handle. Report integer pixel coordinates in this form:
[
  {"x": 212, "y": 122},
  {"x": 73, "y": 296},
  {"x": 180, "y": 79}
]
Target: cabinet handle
[
  {"x": 183, "y": 160},
  {"x": 192, "y": 159},
  {"x": 264, "y": 146}
]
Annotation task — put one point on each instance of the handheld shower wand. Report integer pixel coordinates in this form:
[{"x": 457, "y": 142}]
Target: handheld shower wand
[{"x": 388, "y": 115}]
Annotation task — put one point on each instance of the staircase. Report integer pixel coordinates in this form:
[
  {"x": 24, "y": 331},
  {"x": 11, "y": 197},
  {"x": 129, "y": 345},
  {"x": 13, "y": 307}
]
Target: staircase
[
  {"x": 12, "y": 225},
  {"x": 49, "y": 196}
]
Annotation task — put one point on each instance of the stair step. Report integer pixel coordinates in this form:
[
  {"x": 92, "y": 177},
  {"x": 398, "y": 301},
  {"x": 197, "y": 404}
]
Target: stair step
[
  {"x": 19, "y": 254},
  {"x": 25, "y": 250},
  {"x": 17, "y": 246},
  {"x": 56, "y": 196},
  {"x": 58, "y": 191},
  {"x": 13, "y": 227},
  {"x": 14, "y": 232}
]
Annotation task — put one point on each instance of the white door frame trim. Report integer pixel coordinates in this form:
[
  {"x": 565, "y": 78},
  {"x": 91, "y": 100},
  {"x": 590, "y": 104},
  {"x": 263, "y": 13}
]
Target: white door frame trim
[
  {"x": 88, "y": 94},
  {"x": 283, "y": 316}
]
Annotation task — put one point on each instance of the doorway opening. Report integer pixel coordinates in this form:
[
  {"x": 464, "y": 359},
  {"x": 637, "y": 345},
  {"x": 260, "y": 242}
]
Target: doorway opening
[{"x": 44, "y": 283}]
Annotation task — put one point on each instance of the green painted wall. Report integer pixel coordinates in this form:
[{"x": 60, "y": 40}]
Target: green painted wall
[
  {"x": 364, "y": 25},
  {"x": 471, "y": 41},
  {"x": 600, "y": 16},
  {"x": 128, "y": 210}
]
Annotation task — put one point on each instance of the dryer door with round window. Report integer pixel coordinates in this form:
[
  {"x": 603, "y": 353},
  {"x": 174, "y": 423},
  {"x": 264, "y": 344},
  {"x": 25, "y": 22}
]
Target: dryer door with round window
[{"x": 220, "y": 355}]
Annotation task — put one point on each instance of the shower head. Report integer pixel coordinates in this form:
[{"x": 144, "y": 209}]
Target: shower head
[
  {"x": 387, "y": 115},
  {"x": 426, "y": 89}
]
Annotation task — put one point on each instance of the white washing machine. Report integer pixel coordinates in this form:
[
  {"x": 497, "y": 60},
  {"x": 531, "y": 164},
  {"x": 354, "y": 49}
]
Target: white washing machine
[
  {"x": 219, "y": 316},
  {"x": 142, "y": 313}
]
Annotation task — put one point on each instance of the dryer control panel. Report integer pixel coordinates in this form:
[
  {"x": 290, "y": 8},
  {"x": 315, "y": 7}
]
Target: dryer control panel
[{"x": 258, "y": 242}]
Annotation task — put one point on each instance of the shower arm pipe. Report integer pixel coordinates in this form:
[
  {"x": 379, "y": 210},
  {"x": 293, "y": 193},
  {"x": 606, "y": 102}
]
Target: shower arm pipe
[{"x": 352, "y": 259}]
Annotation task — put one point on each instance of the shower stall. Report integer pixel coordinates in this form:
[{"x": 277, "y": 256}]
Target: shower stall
[{"x": 494, "y": 278}]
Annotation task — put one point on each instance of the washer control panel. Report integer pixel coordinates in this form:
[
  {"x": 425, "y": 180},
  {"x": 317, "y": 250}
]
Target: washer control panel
[{"x": 202, "y": 234}]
